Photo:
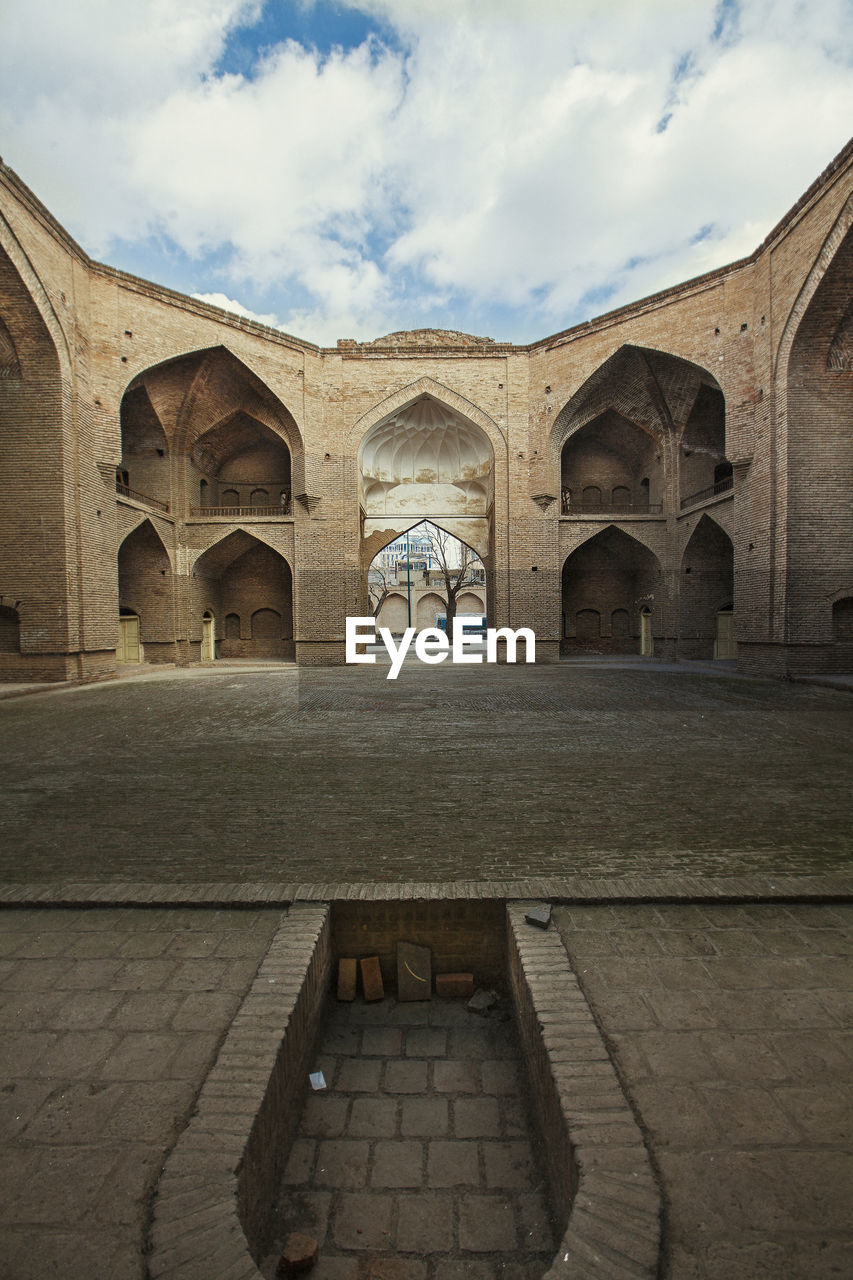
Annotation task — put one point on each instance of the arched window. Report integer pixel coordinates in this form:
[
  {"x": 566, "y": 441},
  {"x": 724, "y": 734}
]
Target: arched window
[
  {"x": 620, "y": 623},
  {"x": 259, "y": 498},
  {"x": 266, "y": 625},
  {"x": 230, "y": 498},
  {"x": 10, "y": 630},
  {"x": 621, "y": 498},
  {"x": 842, "y": 619},
  {"x": 588, "y": 624},
  {"x": 592, "y": 498},
  {"x": 232, "y": 626}
]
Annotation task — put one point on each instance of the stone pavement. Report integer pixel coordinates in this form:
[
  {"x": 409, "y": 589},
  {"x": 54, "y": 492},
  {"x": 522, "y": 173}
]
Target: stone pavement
[
  {"x": 729, "y": 1024},
  {"x": 110, "y": 1021},
  {"x": 421, "y": 1150},
  {"x": 730, "y": 1027},
  {"x": 445, "y": 774}
]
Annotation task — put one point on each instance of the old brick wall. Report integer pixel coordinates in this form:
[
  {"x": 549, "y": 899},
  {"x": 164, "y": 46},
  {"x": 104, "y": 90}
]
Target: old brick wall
[{"x": 195, "y": 374}]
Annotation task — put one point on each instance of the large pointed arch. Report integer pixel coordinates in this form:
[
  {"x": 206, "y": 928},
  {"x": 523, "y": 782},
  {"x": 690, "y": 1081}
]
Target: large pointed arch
[
  {"x": 31, "y": 281},
  {"x": 207, "y": 393},
  {"x": 243, "y": 578},
  {"x": 651, "y": 388},
  {"x": 658, "y": 394},
  {"x": 706, "y": 590},
  {"x": 813, "y": 446},
  {"x": 609, "y": 582}
]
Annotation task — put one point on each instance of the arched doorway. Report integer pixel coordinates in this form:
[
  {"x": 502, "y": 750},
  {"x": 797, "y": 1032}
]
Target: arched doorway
[
  {"x": 249, "y": 584},
  {"x": 424, "y": 578},
  {"x": 10, "y": 630},
  {"x": 426, "y": 462},
  {"x": 611, "y": 588},
  {"x": 208, "y": 636},
  {"x": 647, "y": 644},
  {"x": 706, "y": 627},
  {"x": 146, "y": 598},
  {"x": 725, "y": 646}
]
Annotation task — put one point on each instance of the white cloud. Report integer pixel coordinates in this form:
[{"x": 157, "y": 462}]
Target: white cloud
[
  {"x": 546, "y": 158},
  {"x": 229, "y": 304}
]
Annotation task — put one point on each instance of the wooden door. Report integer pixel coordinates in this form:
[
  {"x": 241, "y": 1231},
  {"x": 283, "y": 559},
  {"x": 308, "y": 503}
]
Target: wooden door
[
  {"x": 128, "y": 640},
  {"x": 647, "y": 646},
  {"x": 725, "y": 646},
  {"x": 208, "y": 640}
]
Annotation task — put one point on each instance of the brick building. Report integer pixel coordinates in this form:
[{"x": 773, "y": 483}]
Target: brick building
[{"x": 671, "y": 478}]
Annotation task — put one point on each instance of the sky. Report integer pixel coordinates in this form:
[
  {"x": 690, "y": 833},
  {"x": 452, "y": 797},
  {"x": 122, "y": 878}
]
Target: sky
[{"x": 349, "y": 168}]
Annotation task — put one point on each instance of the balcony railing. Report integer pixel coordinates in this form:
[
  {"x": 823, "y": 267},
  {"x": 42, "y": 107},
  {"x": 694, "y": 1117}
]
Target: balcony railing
[
  {"x": 571, "y": 506},
  {"x": 722, "y": 486},
  {"x": 240, "y": 513},
  {"x": 127, "y": 492}
]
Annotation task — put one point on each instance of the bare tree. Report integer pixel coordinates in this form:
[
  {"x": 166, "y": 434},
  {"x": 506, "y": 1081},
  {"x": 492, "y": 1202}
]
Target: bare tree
[
  {"x": 380, "y": 580},
  {"x": 456, "y": 577}
]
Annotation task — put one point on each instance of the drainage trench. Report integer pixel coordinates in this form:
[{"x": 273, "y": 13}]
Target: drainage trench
[
  {"x": 421, "y": 1150},
  {"x": 444, "y": 1145}
]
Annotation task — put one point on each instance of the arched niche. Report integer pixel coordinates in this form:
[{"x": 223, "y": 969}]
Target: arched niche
[
  {"x": 818, "y": 395},
  {"x": 243, "y": 463},
  {"x": 214, "y": 410},
  {"x": 653, "y": 392},
  {"x": 427, "y": 460},
  {"x": 241, "y": 576},
  {"x": 36, "y": 461},
  {"x": 704, "y": 468},
  {"x": 145, "y": 590},
  {"x": 608, "y": 576},
  {"x": 603, "y": 466},
  {"x": 144, "y": 470},
  {"x": 706, "y": 591}
]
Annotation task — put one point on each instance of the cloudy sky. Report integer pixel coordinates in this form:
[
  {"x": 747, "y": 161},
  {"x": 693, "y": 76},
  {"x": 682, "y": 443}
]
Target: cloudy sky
[{"x": 345, "y": 168}]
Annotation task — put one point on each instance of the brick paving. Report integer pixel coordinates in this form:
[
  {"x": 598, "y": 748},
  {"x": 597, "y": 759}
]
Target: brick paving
[
  {"x": 110, "y": 1021},
  {"x": 728, "y": 1024},
  {"x": 730, "y": 1028},
  {"x": 446, "y": 774},
  {"x": 419, "y": 1160}
]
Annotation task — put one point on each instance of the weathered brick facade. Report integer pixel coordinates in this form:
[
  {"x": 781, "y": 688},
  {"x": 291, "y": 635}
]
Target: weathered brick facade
[{"x": 672, "y": 478}]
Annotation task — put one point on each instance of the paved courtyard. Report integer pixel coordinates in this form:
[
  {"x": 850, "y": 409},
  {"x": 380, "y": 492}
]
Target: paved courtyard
[
  {"x": 447, "y": 773},
  {"x": 110, "y": 1021},
  {"x": 728, "y": 1024},
  {"x": 730, "y": 1027}
]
